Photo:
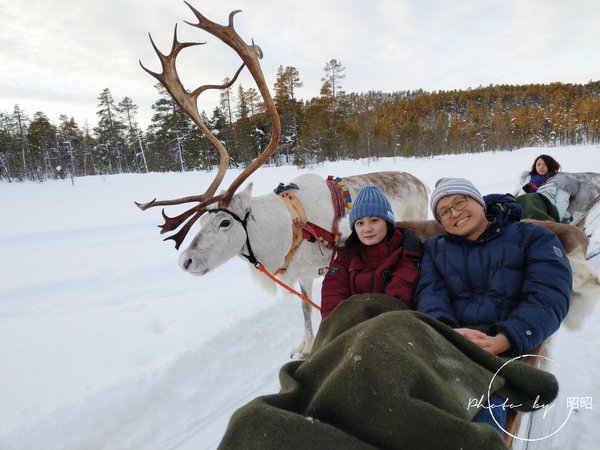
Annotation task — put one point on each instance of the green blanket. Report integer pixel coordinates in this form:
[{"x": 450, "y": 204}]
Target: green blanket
[
  {"x": 538, "y": 206},
  {"x": 380, "y": 376}
]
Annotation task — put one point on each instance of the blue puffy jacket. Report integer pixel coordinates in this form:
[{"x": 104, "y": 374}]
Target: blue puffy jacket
[{"x": 515, "y": 279}]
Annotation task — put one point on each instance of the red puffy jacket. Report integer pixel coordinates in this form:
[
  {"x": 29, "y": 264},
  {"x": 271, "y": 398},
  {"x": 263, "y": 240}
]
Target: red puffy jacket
[{"x": 390, "y": 267}]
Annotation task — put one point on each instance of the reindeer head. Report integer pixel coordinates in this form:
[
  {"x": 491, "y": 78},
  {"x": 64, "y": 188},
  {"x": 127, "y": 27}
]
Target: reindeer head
[
  {"x": 187, "y": 101},
  {"x": 222, "y": 236}
]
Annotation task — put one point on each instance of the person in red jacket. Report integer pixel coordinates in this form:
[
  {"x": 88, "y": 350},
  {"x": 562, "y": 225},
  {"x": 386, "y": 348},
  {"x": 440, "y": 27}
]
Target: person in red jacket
[{"x": 377, "y": 257}]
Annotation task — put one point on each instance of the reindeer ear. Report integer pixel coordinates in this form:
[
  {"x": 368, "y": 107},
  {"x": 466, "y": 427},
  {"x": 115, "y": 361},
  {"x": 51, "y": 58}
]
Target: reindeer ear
[
  {"x": 242, "y": 201},
  {"x": 248, "y": 189}
]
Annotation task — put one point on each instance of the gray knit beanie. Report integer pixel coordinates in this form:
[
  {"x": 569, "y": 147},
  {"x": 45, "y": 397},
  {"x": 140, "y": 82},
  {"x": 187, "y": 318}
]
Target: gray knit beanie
[
  {"x": 451, "y": 186},
  {"x": 372, "y": 202}
]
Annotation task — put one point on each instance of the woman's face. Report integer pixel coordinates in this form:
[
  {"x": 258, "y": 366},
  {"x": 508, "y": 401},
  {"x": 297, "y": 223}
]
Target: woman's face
[
  {"x": 370, "y": 230},
  {"x": 540, "y": 167}
]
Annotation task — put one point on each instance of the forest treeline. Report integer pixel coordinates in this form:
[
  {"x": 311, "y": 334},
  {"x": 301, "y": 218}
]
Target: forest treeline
[{"x": 335, "y": 125}]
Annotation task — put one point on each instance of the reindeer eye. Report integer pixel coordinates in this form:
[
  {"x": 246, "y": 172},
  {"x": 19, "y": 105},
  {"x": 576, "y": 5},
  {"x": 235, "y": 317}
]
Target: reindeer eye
[{"x": 225, "y": 223}]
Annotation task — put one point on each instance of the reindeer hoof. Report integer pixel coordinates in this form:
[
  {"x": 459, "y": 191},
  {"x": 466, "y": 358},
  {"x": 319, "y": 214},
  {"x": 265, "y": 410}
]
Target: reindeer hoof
[
  {"x": 302, "y": 351},
  {"x": 298, "y": 356}
]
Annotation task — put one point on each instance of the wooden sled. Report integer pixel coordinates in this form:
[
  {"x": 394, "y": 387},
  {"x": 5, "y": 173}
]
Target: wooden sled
[
  {"x": 514, "y": 417},
  {"x": 587, "y": 222}
]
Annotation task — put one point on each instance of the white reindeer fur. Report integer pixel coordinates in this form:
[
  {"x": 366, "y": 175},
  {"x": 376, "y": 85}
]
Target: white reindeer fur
[
  {"x": 582, "y": 305},
  {"x": 583, "y": 274},
  {"x": 269, "y": 228}
]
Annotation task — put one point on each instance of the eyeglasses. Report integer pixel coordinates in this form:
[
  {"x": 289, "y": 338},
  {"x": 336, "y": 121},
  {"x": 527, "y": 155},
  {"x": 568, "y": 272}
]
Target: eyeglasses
[{"x": 458, "y": 204}]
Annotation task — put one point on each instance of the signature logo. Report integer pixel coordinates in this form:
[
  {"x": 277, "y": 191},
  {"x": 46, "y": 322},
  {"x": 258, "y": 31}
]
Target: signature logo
[{"x": 536, "y": 406}]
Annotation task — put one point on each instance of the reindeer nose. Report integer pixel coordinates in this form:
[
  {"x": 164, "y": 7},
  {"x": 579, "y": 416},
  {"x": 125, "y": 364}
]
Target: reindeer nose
[{"x": 187, "y": 263}]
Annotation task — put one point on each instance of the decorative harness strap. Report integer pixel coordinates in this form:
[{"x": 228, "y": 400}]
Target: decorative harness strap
[
  {"x": 304, "y": 229},
  {"x": 342, "y": 204},
  {"x": 298, "y": 215},
  {"x": 340, "y": 195}
]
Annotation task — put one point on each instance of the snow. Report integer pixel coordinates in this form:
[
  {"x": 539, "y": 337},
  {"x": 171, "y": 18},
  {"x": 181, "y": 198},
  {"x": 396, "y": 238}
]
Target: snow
[{"x": 106, "y": 344}]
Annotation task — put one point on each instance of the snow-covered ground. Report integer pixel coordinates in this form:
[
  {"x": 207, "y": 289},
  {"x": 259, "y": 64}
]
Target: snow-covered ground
[{"x": 106, "y": 344}]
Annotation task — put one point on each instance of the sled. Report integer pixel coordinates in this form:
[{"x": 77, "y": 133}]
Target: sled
[
  {"x": 587, "y": 222},
  {"x": 593, "y": 212},
  {"x": 514, "y": 417}
]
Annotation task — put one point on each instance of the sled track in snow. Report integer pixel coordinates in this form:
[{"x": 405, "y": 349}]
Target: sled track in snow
[
  {"x": 177, "y": 408},
  {"x": 249, "y": 354}
]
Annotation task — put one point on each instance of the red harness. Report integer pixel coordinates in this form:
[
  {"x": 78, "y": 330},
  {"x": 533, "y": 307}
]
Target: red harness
[{"x": 342, "y": 203}]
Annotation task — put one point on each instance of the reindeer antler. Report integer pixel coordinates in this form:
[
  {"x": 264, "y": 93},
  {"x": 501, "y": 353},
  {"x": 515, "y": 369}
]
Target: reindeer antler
[{"x": 188, "y": 102}]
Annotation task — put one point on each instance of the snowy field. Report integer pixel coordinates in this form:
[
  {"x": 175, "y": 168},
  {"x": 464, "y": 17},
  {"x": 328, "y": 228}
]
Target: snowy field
[{"x": 106, "y": 344}]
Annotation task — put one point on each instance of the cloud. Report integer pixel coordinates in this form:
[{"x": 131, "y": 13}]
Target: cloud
[{"x": 57, "y": 57}]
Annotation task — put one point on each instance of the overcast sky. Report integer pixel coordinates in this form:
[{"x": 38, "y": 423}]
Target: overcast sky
[{"x": 57, "y": 56}]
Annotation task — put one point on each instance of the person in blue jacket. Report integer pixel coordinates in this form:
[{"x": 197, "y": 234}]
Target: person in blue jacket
[{"x": 499, "y": 282}]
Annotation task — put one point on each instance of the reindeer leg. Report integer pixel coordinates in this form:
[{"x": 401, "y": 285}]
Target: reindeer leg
[{"x": 302, "y": 351}]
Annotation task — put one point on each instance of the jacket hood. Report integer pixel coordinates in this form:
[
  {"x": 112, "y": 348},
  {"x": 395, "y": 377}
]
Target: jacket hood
[
  {"x": 501, "y": 210},
  {"x": 502, "y": 207}
]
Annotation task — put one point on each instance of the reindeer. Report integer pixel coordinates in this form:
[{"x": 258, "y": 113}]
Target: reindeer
[{"x": 290, "y": 233}]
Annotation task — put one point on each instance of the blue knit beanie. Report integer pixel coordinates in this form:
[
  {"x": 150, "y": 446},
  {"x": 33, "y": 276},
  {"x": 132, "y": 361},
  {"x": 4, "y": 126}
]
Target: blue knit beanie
[
  {"x": 451, "y": 186},
  {"x": 371, "y": 202}
]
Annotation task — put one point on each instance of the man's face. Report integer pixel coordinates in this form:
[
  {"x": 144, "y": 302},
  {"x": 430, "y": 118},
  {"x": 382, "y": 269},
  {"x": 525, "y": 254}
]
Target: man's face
[{"x": 468, "y": 221}]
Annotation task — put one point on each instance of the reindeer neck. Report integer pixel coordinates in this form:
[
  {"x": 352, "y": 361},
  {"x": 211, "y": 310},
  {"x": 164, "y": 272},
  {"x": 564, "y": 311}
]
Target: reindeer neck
[{"x": 269, "y": 230}]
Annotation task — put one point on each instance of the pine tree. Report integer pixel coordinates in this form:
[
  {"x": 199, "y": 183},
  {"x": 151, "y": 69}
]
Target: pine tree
[
  {"x": 110, "y": 134},
  {"x": 289, "y": 109},
  {"x": 330, "y": 92},
  {"x": 46, "y": 160},
  {"x": 242, "y": 129},
  {"x": 169, "y": 132},
  {"x": 69, "y": 141},
  {"x": 20, "y": 121},
  {"x": 133, "y": 141},
  {"x": 8, "y": 149},
  {"x": 226, "y": 104}
]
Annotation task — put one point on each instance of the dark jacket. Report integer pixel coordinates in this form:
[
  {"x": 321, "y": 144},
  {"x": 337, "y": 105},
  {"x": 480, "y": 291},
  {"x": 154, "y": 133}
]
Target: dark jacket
[
  {"x": 390, "y": 267},
  {"x": 515, "y": 279}
]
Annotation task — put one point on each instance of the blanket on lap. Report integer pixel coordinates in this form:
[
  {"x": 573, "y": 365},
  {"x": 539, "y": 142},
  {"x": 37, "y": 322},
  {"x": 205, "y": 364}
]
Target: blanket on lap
[
  {"x": 381, "y": 376},
  {"x": 538, "y": 206}
]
